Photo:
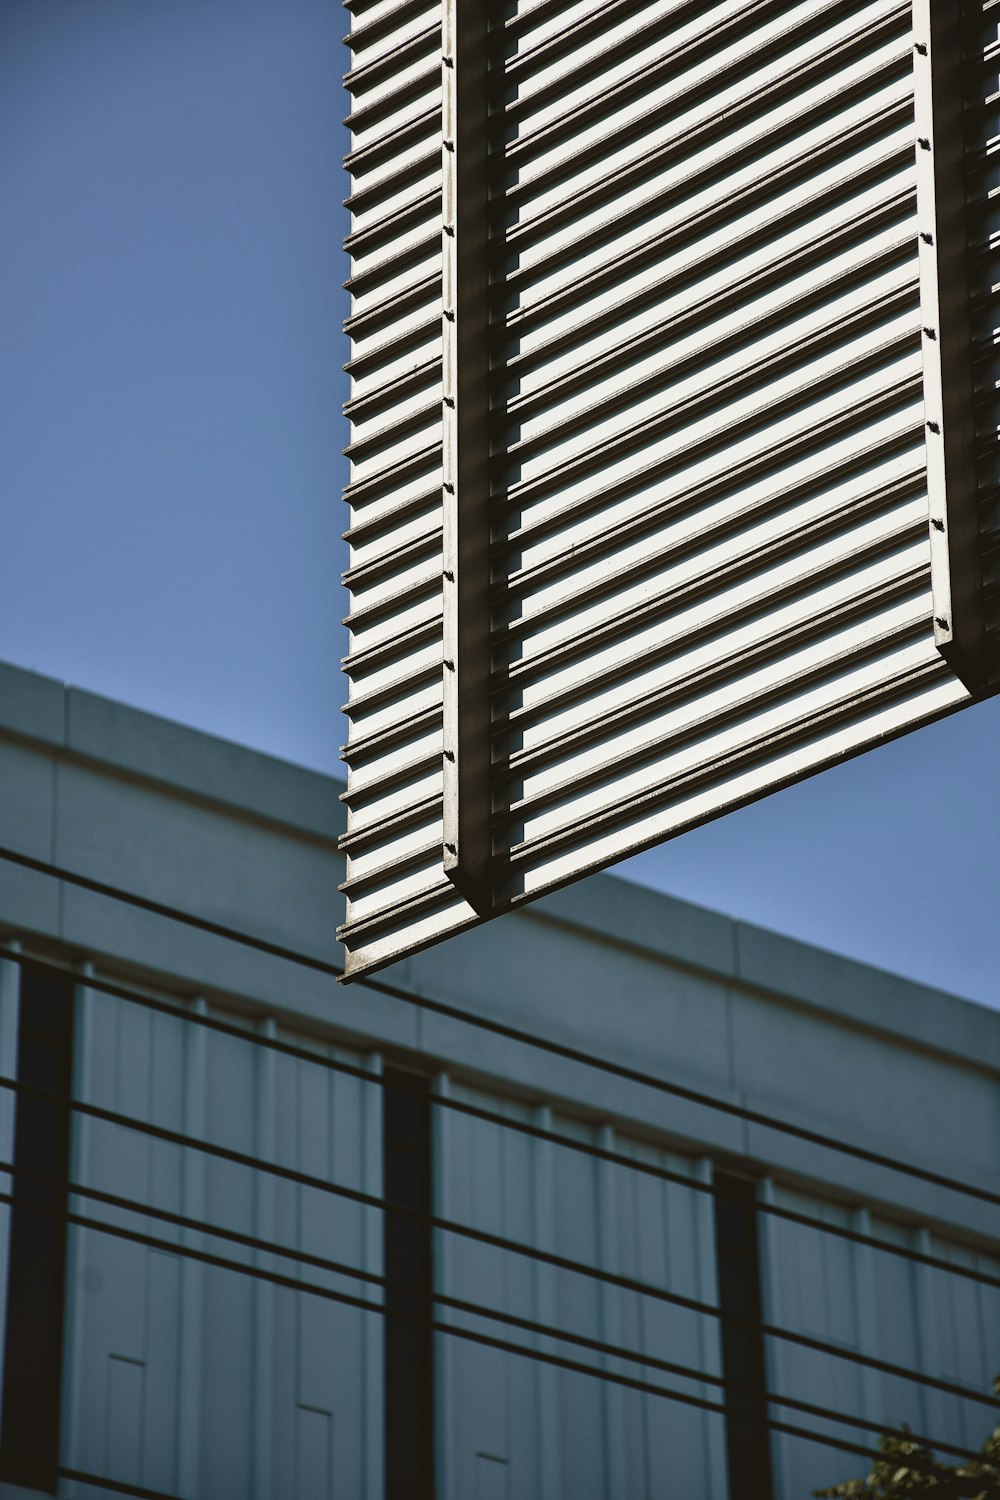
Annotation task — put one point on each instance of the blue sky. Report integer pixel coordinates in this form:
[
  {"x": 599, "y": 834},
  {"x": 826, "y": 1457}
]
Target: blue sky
[{"x": 170, "y": 436}]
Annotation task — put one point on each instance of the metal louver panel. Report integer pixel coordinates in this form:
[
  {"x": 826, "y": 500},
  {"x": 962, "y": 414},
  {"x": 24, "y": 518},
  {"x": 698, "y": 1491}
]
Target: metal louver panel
[
  {"x": 395, "y": 665},
  {"x": 663, "y": 465}
]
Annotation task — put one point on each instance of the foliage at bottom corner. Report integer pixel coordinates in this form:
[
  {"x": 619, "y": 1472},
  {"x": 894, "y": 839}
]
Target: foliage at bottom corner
[{"x": 907, "y": 1466}]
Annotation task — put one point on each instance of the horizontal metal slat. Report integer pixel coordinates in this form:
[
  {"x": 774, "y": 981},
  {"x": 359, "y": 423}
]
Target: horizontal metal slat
[
  {"x": 377, "y": 483},
  {"x": 822, "y": 248},
  {"x": 588, "y": 458},
  {"x": 393, "y": 60},
  {"x": 378, "y": 878},
  {"x": 569, "y": 35},
  {"x": 884, "y": 713},
  {"x": 715, "y": 576},
  {"x": 369, "y": 572},
  {"x": 383, "y": 803},
  {"x": 687, "y": 500},
  {"x": 360, "y": 704},
  {"x": 398, "y": 865},
  {"x": 375, "y": 234},
  {"x": 412, "y": 171},
  {"x": 415, "y": 250},
  {"x": 620, "y": 624},
  {"x": 686, "y": 320},
  {"x": 440, "y": 894},
  {"x": 412, "y": 420},
  {"x": 735, "y": 198},
  {"x": 387, "y": 146},
  {"x": 399, "y": 308},
  {"x": 581, "y": 120},
  {"x": 826, "y": 152},
  {"x": 800, "y": 728},
  {"x": 724, "y": 388},
  {"x": 727, "y": 28},
  {"x": 820, "y": 435},
  {"x": 393, "y": 347},
  {"x": 364, "y": 528},
  {"x": 360, "y": 665},
  {"x": 527, "y": 18},
  {"x": 419, "y": 588},
  {"x": 368, "y": 745},
  {"x": 773, "y": 646},
  {"x": 400, "y": 302},
  {"x": 694, "y": 728},
  {"x": 582, "y": 554},
  {"x": 358, "y": 795},
  {"x": 365, "y": 835},
  {"x": 405, "y": 663},
  {"x": 409, "y": 668},
  {"x": 569, "y": 695},
  {"x": 373, "y": 401},
  {"x": 586, "y": 284},
  {"x": 364, "y": 33},
  {"x": 356, "y": 663},
  {"x": 385, "y": 102}
]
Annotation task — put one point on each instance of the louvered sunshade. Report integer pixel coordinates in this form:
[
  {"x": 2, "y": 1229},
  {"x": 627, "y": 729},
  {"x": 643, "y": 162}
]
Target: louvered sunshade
[{"x": 673, "y": 473}]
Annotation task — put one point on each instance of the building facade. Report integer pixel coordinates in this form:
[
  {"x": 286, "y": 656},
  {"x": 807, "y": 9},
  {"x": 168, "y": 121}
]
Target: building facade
[{"x": 617, "y": 1198}]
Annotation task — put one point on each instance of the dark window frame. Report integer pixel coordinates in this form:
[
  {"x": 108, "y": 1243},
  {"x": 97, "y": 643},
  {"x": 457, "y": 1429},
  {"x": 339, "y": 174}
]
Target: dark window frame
[
  {"x": 408, "y": 1381},
  {"x": 737, "y": 1258},
  {"x": 36, "y": 1275}
]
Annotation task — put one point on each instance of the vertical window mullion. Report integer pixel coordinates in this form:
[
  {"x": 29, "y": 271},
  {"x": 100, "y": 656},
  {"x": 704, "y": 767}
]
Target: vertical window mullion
[
  {"x": 743, "y": 1364},
  {"x": 29, "y": 1427},
  {"x": 409, "y": 1346}
]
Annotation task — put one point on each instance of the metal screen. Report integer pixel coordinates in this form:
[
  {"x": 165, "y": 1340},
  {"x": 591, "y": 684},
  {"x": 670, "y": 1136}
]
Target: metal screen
[{"x": 664, "y": 462}]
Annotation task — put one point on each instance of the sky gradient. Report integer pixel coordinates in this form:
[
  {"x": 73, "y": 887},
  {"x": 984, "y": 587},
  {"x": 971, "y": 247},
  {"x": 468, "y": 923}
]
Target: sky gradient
[{"x": 170, "y": 442}]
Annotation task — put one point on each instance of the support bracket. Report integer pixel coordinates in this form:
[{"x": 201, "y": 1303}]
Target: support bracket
[
  {"x": 467, "y": 851},
  {"x": 956, "y": 570}
]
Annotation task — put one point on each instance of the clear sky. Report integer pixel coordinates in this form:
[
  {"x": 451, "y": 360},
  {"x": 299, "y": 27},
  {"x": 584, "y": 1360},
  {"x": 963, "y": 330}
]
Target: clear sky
[{"x": 170, "y": 436}]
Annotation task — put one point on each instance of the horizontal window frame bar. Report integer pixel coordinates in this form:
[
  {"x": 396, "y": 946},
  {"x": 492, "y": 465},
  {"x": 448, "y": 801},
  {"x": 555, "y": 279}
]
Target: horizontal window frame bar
[
  {"x": 375, "y": 1280},
  {"x": 511, "y": 1033}
]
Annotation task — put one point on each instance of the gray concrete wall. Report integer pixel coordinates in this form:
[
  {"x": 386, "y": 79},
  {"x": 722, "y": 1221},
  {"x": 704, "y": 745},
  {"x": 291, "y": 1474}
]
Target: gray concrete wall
[{"x": 746, "y": 1016}]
